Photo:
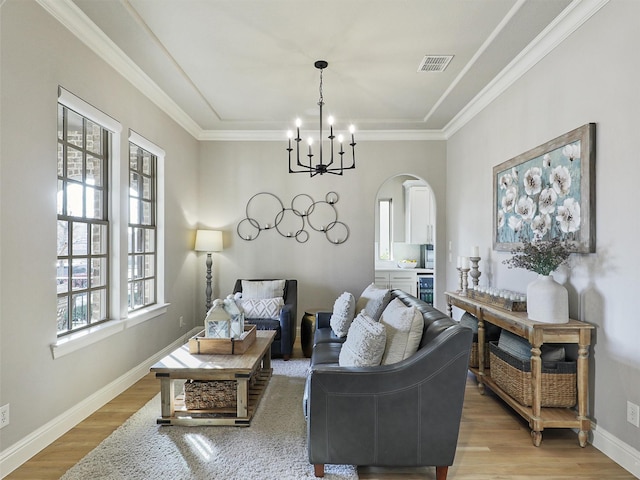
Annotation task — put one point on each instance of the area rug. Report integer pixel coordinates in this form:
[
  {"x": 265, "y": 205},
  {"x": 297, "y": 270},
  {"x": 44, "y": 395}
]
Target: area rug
[{"x": 274, "y": 447}]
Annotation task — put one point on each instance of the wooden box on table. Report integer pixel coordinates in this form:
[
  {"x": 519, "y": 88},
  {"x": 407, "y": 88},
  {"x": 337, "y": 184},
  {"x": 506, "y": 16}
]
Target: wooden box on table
[{"x": 201, "y": 345}]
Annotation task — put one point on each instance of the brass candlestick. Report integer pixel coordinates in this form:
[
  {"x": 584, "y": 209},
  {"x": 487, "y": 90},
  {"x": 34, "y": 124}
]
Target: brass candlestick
[{"x": 475, "y": 272}]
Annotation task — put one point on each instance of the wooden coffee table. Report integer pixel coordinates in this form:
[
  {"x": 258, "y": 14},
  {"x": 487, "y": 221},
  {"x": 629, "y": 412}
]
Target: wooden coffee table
[{"x": 251, "y": 371}]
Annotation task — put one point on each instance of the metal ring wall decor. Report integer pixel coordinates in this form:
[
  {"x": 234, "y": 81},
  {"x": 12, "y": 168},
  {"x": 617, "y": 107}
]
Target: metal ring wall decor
[{"x": 265, "y": 211}]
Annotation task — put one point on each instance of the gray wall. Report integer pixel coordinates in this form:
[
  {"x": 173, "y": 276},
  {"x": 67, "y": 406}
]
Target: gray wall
[
  {"x": 38, "y": 54},
  {"x": 232, "y": 172},
  {"x": 593, "y": 76},
  {"x": 208, "y": 184}
]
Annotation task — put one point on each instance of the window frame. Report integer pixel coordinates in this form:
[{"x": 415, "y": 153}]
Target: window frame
[
  {"x": 158, "y": 217},
  {"x": 389, "y": 227},
  {"x": 141, "y": 234},
  {"x": 82, "y": 287},
  {"x": 119, "y": 317}
]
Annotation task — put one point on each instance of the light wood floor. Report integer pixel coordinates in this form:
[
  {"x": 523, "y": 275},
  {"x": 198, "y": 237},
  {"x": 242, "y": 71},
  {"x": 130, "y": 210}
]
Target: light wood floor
[{"x": 494, "y": 444}]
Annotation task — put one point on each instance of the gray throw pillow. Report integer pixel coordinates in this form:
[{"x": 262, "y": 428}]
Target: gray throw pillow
[
  {"x": 373, "y": 301},
  {"x": 343, "y": 312},
  {"x": 365, "y": 343}
]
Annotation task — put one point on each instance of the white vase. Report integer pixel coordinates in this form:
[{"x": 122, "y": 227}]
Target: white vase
[{"x": 547, "y": 300}]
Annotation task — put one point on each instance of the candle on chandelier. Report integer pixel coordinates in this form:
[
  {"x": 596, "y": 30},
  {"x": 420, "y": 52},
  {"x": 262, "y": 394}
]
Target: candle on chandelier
[
  {"x": 310, "y": 142},
  {"x": 352, "y": 130},
  {"x": 289, "y": 136}
]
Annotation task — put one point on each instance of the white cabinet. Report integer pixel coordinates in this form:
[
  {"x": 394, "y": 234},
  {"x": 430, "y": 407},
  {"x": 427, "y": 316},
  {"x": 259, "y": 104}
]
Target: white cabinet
[
  {"x": 419, "y": 216},
  {"x": 406, "y": 280}
]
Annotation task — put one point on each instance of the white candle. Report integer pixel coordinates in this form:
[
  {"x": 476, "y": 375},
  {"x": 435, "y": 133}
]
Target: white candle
[
  {"x": 459, "y": 264},
  {"x": 464, "y": 262},
  {"x": 476, "y": 251}
]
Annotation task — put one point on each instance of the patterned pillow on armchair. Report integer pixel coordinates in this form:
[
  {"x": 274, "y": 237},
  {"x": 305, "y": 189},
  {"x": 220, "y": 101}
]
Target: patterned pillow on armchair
[{"x": 261, "y": 307}]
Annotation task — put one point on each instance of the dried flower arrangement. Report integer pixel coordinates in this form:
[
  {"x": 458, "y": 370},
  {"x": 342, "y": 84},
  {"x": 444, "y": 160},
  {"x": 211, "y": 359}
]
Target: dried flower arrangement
[{"x": 539, "y": 256}]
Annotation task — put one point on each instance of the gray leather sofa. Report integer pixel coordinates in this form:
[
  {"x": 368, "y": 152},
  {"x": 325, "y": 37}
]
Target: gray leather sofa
[{"x": 402, "y": 415}]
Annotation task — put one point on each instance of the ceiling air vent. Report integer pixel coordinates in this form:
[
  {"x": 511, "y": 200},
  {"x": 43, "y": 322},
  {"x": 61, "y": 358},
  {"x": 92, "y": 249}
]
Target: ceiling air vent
[{"x": 434, "y": 63}]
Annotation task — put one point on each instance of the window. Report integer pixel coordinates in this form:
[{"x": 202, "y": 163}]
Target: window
[
  {"x": 110, "y": 261},
  {"x": 384, "y": 212},
  {"x": 142, "y": 257},
  {"x": 83, "y": 228}
]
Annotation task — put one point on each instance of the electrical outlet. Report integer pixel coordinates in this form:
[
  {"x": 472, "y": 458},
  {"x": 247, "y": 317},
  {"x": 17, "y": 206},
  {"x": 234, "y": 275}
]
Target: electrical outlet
[
  {"x": 633, "y": 414},
  {"x": 181, "y": 321},
  {"x": 4, "y": 415}
]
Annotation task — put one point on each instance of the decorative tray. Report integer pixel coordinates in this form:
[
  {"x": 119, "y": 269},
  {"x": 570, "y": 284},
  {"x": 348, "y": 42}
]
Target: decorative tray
[
  {"x": 496, "y": 301},
  {"x": 199, "y": 344}
]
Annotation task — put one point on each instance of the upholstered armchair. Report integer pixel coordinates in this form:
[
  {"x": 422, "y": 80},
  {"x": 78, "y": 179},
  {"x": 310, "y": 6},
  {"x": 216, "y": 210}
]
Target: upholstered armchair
[{"x": 284, "y": 324}]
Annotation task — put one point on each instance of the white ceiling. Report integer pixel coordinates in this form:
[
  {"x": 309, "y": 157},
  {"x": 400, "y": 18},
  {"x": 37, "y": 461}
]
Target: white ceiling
[{"x": 237, "y": 65}]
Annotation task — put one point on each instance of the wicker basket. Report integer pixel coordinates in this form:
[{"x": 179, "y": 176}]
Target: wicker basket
[
  {"x": 491, "y": 332},
  {"x": 203, "y": 395},
  {"x": 513, "y": 375},
  {"x": 473, "y": 357}
]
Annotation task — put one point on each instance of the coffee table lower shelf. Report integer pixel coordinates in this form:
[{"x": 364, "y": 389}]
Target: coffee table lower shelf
[{"x": 219, "y": 416}]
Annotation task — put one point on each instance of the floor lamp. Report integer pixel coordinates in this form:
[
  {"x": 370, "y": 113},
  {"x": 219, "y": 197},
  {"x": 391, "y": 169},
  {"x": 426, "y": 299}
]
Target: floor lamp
[{"x": 208, "y": 241}]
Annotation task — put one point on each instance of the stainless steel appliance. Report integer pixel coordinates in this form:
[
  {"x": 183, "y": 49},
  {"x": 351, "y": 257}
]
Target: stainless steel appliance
[
  {"x": 425, "y": 287},
  {"x": 427, "y": 256}
]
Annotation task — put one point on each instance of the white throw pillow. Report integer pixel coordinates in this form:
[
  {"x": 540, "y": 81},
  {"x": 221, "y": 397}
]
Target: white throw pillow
[
  {"x": 404, "y": 331},
  {"x": 343, "y": 312},
  {"x": 262, "y": 288},
  {"x": 365, "y": 343},
  {"x": 373, "y": 301},
  {"x": 262, "y": 307}
]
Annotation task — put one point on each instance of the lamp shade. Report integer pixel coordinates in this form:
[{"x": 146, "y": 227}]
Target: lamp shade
[{"x": 208, "y": 241}]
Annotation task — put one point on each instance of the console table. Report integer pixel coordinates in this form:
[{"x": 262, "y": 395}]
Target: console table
[{"x": 537, "y": 333}]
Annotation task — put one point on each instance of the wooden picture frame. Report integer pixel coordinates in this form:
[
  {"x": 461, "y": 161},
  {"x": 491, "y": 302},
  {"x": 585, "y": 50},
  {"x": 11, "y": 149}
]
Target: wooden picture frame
[{"x": 548, "y": 192}]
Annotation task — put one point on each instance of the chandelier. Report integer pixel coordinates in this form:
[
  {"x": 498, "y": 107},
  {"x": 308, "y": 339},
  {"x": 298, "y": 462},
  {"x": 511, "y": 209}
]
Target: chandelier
[{"x": 334, "y": 168}]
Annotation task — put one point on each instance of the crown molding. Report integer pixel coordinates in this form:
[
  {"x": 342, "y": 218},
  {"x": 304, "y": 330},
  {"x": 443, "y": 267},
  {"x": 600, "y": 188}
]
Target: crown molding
[
  {"x": 70, "y": 15},
  {"x": 571, "y": 18},
  {"x": 75, "y": 20},
  {"x": 280, "y": 136}
]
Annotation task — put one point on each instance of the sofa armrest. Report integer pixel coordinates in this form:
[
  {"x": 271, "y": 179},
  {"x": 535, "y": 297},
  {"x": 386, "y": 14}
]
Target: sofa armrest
[
  {"x": 323, "y": 319},
  {"x": 287, "y": 329},
  {"x": 375, "y": 415}
]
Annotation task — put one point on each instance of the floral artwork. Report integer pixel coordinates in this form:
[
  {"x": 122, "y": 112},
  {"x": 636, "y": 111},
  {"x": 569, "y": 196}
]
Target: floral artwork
[{"x": 547, "y": 193}]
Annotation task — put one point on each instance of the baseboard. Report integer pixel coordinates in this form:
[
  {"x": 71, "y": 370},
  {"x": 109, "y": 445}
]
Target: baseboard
[
  {"x": 18, "y": 453},
  {"x": 623, "y": 454}
]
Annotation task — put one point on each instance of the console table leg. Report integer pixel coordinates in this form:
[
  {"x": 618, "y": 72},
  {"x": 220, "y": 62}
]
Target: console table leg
[
  {"x": 583, "y": 437},
  {"x": 481, "y": 351},
  {"x": 583, "y": 380},
  {"x": 536, "y": 437}
]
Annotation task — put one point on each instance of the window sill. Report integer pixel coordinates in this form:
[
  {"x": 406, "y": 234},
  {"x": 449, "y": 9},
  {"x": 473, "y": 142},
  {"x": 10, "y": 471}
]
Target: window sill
[{"x": 78, "y": 340}]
